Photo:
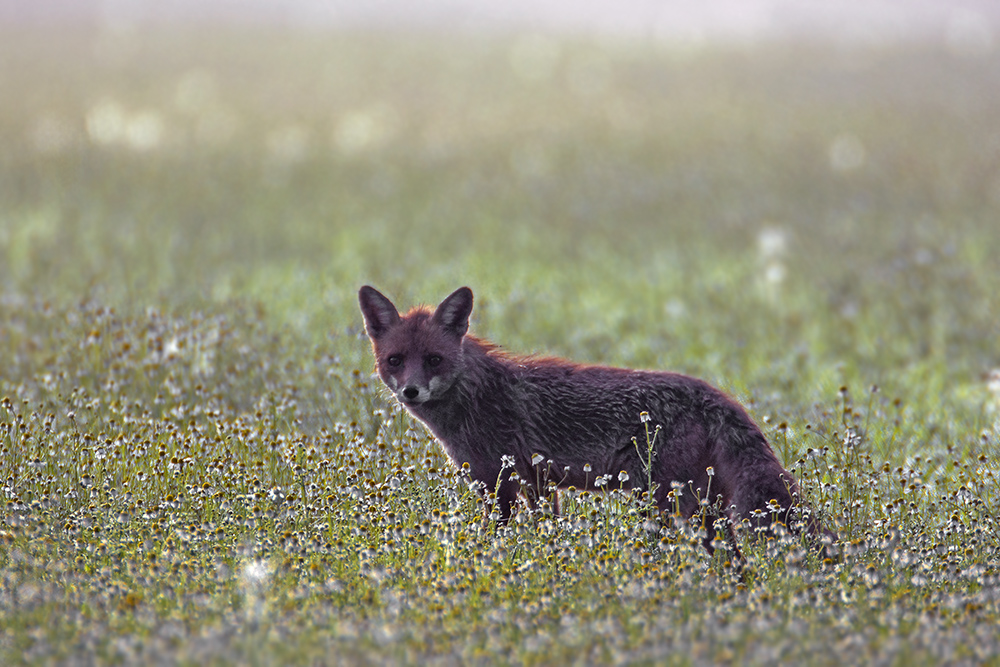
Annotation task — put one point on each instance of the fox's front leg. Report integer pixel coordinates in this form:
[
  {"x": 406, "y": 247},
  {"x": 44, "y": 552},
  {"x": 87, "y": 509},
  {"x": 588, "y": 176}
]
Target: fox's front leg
[
  {"x": 548, "y": 493},
  {"x": 499, "y": 494}
]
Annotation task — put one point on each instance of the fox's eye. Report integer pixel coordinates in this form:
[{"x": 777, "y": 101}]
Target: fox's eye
[
  {"x": 434, "y": 360},
  {"x": 396, "y": 360}
]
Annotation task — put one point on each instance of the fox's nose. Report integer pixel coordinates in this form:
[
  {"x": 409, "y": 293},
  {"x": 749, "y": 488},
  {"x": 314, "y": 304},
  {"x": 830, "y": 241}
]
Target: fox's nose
[{"x": 410, "y": 393}]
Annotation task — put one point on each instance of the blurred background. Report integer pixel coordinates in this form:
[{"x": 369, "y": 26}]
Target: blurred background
[
  {"x": 798, "y": 201},
  {"x": 876, "y": 20},
  {"x": 784, "y": 196}
]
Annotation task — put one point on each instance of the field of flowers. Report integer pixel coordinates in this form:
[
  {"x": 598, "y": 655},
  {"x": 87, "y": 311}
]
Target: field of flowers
[{"x": 198, "y": 466}]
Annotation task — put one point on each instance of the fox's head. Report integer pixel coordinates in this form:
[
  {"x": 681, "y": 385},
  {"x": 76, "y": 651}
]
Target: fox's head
[{"x": 419, "y": 354}]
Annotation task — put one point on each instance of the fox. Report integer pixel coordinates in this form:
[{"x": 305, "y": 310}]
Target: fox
[{"x": 502, "y": 413}]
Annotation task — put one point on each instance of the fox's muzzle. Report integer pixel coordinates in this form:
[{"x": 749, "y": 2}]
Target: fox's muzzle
[{"x": 412, "y": 393}]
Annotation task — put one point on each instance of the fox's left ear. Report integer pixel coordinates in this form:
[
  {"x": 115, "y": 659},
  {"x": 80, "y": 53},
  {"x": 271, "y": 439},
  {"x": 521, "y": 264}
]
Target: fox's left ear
[{"x": 453, "y": 313}]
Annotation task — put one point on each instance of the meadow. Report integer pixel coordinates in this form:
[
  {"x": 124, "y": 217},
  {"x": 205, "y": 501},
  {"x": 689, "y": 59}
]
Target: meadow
[{"x": 198, "y": 466}]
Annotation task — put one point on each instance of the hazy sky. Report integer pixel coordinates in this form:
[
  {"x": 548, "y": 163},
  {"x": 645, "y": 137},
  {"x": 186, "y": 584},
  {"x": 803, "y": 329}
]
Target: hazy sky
[{"x": 976, "y": 21}]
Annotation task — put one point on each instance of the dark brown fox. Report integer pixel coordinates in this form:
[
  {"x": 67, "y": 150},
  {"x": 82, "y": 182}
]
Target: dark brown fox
[{"x": 500, "y": 412}]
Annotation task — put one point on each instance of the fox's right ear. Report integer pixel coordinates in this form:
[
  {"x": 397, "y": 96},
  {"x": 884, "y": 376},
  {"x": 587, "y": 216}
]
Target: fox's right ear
[{"x": 379, "y": 312}]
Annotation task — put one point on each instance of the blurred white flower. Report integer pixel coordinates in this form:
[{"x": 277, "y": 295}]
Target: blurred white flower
[
  {"x": 106, "y": 122},
  {"x": 772, "y": 242},
  {"x": 364, "y": 129},
  {"x": 110, "y": 124},
  {"x": 144, "y": 130},
  {"x": 847, "y": 153},
  {"x": 993, "y": 386},
  {"x": 256, "y": 574}
]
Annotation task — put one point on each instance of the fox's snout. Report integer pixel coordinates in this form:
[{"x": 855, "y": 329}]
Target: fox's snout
[
  {"x": 415, "y": 392},
  {"x": 412, "y": 393}
]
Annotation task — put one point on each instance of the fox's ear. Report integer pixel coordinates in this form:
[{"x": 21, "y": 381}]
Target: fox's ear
[
  {"x": 379, "y": 312},
  {"x": 453, "y": 313}
]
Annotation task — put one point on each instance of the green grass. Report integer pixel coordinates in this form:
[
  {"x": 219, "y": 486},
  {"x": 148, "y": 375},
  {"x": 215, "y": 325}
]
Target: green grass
[{"x": 198, "y": 467}]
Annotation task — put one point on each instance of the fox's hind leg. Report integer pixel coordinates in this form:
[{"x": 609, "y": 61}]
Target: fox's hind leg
[
  {"x": 762, "y": 494},
  {"x": 766, "y": 494}
]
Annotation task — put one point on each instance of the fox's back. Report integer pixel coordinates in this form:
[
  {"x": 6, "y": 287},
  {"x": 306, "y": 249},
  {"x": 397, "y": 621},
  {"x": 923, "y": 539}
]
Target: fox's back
[
  {"x": 569, "y": 393},
  {"x": 592, "y": 395},
  {"x": 579, "y": 414}
]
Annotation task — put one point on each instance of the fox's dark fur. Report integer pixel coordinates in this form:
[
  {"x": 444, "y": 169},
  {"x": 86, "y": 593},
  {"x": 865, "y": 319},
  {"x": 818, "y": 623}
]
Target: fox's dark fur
[{"x": 484, "y": 404}]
